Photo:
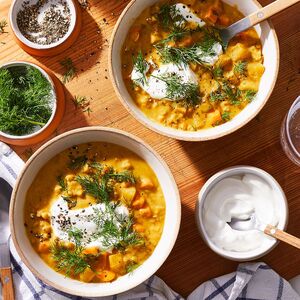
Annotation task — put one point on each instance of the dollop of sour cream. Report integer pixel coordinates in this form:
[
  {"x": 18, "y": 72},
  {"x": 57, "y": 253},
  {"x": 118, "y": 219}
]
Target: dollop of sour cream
[
  {"x": 63, "y": 219},
  {"x": 239, "y": 197},
  {"x": 157, "y": 88},
  {"x": 184, "y": 11}
]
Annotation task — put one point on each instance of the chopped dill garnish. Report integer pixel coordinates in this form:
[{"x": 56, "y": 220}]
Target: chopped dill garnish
[
  {"x": 216, "y": 96},
  {"x": 240, "y": 68},
  {"x": 186, "y": 55},
  {"x": 250, "y": 95},
  {"x": 25, "y": 100},
  {"x": 69, "y": 261},
  {"x": 169, "y": 17},
  {"x": 131, "y": 266},
  {"x": 225, "y": 116},
  {"x": 124, "y": 176},
  {"x": 178, "y": 90},
  {"x": 76, "y": 235},
  {"x": 231, "y": 94},
  {"x": 70, "y": 69},
  {"x": 114, "y": 235},
  {"x": 77, "y": 162},
  {"x": 62, "y": 183},
  {"x": 83, "y": 103},
  {"x": 141, "y": 66},
  {"x": 71, "y": 202},
  {"x": 217, "y": 72},
  {"x": 94, "y": 187},
  {"x": 3, "y": 24}
]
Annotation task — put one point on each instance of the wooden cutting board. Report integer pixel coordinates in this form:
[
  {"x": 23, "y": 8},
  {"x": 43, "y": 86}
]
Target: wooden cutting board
[{"x": 258, "y": 143}]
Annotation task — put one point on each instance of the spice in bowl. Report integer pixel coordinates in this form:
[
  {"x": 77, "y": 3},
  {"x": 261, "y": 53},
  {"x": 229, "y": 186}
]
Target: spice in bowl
[
  {"x": 26, "y": 100},
  {"x": 45, "y": 22}
]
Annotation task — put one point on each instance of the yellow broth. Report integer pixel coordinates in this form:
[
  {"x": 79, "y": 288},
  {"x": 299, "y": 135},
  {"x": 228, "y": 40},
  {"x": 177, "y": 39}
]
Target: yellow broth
[
  {"x": 240, "y": 67},
  {"x": 144, "y": 200}
]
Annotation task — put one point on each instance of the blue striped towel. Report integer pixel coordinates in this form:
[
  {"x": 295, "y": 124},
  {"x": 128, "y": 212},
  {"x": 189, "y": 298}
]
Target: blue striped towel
[{"x": 251, "y": 281}]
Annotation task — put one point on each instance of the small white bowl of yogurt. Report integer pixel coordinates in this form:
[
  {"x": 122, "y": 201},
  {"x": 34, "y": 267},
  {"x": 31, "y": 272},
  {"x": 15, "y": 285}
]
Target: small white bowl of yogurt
[{"x": 238, "y": 192}]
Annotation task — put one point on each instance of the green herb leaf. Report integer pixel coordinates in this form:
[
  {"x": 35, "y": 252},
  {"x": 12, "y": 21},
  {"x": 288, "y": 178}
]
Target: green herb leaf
[
  {"x": 250, "y": 95},
  {"x": 141, "y": 66},
  {"x": 70, "y": 69},
  {"x": 63, "y": 184},
  {"x": 179, "y": 90},
  {"x": 240, "y": 68},
  {"x": 24, "y": 100},
  {"x": 77, "y": 162},
  {"x": 225, "y": 116},
  {"x": 217, "y": 72}
]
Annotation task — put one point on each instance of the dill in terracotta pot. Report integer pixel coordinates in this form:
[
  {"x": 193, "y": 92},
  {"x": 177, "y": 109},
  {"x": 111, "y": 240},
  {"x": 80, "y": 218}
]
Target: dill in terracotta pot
[{"x": 25, "y": 100}]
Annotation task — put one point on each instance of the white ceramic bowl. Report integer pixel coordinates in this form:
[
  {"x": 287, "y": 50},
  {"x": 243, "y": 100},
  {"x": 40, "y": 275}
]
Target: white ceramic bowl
[
  {"x": 238, "y": 171},
  {"x": 271, "y": 62},
  {"x": 53, "y": 102},
  {"x": 48, "y": 151},
  {"x": 17, "y": 6}
]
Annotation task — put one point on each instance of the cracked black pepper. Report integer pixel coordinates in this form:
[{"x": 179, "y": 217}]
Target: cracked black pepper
[{"x": 45, "y": 22}]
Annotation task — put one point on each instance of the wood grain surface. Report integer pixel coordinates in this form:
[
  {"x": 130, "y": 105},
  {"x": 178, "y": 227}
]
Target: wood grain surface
[{"x": 258, "y": 144}]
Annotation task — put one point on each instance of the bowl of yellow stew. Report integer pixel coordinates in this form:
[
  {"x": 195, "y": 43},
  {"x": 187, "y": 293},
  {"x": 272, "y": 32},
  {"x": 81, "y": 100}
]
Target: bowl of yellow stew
[
  {"x": 171, "y": 71},
  {"x": 95, "y": 212}
]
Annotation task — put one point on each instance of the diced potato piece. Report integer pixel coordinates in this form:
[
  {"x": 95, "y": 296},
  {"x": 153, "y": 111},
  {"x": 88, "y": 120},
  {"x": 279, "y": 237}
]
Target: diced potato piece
[
  {"x": 256, "y": 53},
  {"x": 139, "y": 202},
  {"x": 205, "y": 107},
  {"x": 74, "y": 189},
  {"x": 155, "y": 37},
  {"x": 87, "y": 275},
  {"x": 43, "y": 214},
  {"x": 255, "y": 70},
  {"x": 128, "y": 193},
  {"x": 69, "y": 177},
  {"x": 116, "y": 263},
  {"x": 44, "y": 247},
  {"x": 106, "y": 276},
  {"x": 46, "y": 228},
  {"x": 224, "y": 61},
  {"x": 213, "y": 117},
  {"x": 126, "y": 164},
  {"x": 238, "y": 52},
  {"x": 146, "y": 212},
  {"x": 146, "y": 183},
  {"x": 249, "y": 85}
]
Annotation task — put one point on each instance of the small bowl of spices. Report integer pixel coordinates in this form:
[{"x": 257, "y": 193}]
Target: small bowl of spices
[
  {"x": 45, "y": 27},
  {"x": 31, "y": 103}
]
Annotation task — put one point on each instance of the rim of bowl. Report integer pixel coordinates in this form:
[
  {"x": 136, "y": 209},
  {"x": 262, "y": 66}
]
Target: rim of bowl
[
  {"x": 180, "y": 134},
  {"x": 53, "y": 103},
  {"x": 33, "y": 45},
  {"x": 235, "y": 170},
  {"x": 36, "y": 155}
]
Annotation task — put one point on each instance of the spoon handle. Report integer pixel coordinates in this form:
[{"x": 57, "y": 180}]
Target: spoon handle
[
  {"x": 270, "y": 10},
  {"x": 7, "y": 284},
  {"x": 283, "y": 236}
]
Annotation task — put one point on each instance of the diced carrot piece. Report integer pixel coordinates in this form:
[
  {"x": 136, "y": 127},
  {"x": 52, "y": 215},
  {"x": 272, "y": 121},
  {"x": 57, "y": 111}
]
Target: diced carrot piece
[
  {"x": 211, "y": 16},
  {"x": 224, "y": 20},
  {"x": 90, "y": 251},
  {"x": 139, "y": 202}
]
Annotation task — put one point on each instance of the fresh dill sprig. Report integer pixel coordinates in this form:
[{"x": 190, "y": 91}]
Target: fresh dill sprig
[
  {"x": 217, "y": 72},
  {"x": 131, "y": 266},
  {"x": 95, "y": 187},
  {"x": 240, "y": 68},
  {"x": 225, "y": 116},
  {"x": 141, "y": 66},
  {"x": 216, "y": 96},
  {"x": 3, "y": 24},
  {"x": 250, "y": 95},
  {"x": 25, "y": 100},
  {"x": 186, "y": 55},
  {"x": 70, "y": 69},
  {"x": 77, "y": 162},
  {"x": 76, "y": 235},
  {"x": 125, "y": 176},
  {"x": 83, "y": 103},
  {"x": 71, "y": 202},
  {"x": 169, "y": 17},
  {"x": 62, "y": 183},
  {"x": 231, "y": 94},
  {"x": 69, "y": 261},
  {"x": 178, "y": 90}
]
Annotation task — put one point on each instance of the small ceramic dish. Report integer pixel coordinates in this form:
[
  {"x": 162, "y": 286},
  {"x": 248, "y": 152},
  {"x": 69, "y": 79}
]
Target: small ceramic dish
[
  {"x": 85, "y": 135},
  {"x": 54, "y": 48},
  {"x": 240, "y": 171},
  {"x": 57, "y": 105},
  {"x": 270, "y": 50}
]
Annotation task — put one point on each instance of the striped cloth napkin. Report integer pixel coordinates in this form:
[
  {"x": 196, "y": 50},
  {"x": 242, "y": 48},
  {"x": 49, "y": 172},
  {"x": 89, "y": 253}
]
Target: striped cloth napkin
[{"x": 251, "y": 281}]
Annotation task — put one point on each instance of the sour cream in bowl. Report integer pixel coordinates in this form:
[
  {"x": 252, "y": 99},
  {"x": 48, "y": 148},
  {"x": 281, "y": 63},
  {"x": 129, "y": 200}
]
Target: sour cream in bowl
[{"x": 239, "y": 192}]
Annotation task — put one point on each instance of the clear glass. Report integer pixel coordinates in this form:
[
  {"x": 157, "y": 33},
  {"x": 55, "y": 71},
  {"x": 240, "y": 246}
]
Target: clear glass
[{"x": 290, "y": 133}]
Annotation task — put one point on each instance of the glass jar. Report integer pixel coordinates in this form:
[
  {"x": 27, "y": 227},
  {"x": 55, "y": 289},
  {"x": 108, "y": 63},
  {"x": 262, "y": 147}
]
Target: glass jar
[{"x": 290, "y": 133}]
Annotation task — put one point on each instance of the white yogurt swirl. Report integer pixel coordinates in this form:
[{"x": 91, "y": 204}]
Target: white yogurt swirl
[{"x": 239, "y": 197}]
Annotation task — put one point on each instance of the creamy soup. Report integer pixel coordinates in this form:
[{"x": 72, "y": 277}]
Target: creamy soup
[
  {"x": 178, "y": 71},
  {"x": 95, "y": 212}
]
